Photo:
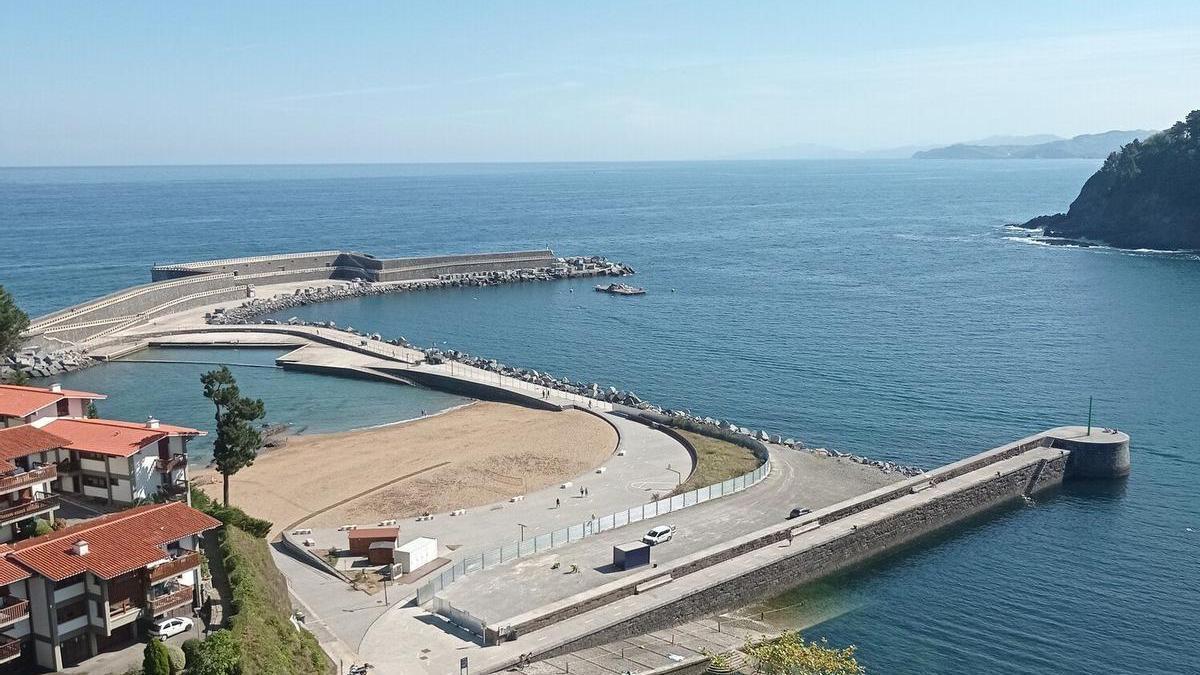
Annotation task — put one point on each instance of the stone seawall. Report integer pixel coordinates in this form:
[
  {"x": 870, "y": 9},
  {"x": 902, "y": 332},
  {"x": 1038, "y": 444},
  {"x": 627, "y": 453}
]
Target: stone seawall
[{"x": 851, "y": 549}]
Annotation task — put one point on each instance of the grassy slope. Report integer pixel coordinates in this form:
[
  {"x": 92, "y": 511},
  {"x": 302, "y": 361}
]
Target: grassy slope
[
  {"x": 716, "y": 460},
  {"x": 269, "y": 643}
]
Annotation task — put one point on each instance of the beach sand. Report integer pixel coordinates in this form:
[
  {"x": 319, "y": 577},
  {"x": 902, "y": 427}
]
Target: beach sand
[{"x": 478, "y": 454}]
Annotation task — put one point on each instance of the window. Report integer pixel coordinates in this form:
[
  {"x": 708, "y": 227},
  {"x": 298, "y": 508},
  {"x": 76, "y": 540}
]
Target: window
[
  {"x": 95, "y": 481},
  {"x": 92, "y": 455},
  {"x": 72, "y": 611},
  {"x": 64, "y": 408}
]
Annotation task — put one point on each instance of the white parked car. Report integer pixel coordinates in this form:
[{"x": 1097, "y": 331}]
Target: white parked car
[
  {"x": 659, "y": 534},
  {"x": 165, "y": 628}
]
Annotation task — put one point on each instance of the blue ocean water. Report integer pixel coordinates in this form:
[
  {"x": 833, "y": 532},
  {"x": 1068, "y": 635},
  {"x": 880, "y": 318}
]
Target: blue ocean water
[{"x": 878, "y": 307}]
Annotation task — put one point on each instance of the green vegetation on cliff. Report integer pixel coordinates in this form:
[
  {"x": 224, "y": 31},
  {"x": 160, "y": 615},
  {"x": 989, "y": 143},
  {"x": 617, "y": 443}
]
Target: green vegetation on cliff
[
  {"x": 261, "y": 638},
  {"x": 1147, "y": 195}
]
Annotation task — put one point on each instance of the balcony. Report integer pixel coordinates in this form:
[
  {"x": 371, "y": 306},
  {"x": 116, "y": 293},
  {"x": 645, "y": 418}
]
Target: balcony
[
  {"x": 176, "y": 461},
  {"x": 12, "y": 610},
  {"x": 10, "y": 648},
  {"x": 69, "y": 466},
  {"x": 177, "y": 597},
  {"x": 178, "y": 565},
  {"x": 28, "y": 508},
  {"x": 18, "y": 481},
  {"x": 120, "y": 607}
]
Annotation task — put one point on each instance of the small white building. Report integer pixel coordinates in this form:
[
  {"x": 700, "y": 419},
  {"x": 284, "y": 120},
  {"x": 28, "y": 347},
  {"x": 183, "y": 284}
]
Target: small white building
[{"x": 416, "y": 554}]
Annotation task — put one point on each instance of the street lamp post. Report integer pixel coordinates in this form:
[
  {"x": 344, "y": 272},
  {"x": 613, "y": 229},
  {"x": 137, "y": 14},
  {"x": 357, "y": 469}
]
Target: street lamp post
[{"x": 678, "y": 476}]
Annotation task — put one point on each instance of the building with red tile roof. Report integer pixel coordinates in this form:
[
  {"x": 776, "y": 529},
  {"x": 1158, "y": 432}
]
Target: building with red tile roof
[
  {"x": 90, "y": 583},
  {"x": 121, "y": 462},
  {"x": 113, "y": 437},
  {"x": 116, "y": 543},
  {"x": 27, "y": 475},
  {"x": 24, "y": 405},
  {"x": 26, "y": 440}
]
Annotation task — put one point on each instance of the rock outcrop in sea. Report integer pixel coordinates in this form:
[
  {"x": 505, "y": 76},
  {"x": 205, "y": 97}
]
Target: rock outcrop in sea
[{"x": 1146, "y": 196}]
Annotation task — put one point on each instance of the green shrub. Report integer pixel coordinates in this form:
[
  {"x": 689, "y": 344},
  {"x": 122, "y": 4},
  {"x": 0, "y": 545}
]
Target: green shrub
[
  {"x": 231, "y": 515},
  {"x": 155, "y": 660},
  {"x": 218, "y": 654},
  {"x": 177, "y": 658}
]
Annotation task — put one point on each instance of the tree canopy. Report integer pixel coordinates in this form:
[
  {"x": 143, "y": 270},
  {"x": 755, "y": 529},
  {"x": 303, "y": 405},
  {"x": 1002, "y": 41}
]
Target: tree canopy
[
  {"x": 237, "y": 441},
  {"x": 1146, "y": 195},
  {"x": 12, "y": 322},
  {"x": 155, "y": 659}
]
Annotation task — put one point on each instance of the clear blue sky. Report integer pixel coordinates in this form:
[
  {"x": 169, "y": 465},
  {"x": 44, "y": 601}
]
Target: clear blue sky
[{"x": 266, "y": 82}]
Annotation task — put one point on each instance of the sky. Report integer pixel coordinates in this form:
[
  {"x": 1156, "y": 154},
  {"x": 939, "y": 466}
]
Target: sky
[{"x": 214, "y": 82}]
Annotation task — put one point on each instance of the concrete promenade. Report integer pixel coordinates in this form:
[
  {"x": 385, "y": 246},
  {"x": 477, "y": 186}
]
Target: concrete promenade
[
  {"x": 346, "y": 615},
  {"x": 797, "y": 478},
  {"x": 729, "y": 582}
]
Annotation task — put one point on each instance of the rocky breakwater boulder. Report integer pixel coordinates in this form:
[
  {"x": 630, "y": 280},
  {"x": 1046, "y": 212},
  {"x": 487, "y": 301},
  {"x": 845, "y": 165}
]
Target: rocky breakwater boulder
[{"x": 39, "y": 363}]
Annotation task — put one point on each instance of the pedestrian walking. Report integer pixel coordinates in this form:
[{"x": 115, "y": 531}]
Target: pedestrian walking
[{"x": 557, "y": 503}]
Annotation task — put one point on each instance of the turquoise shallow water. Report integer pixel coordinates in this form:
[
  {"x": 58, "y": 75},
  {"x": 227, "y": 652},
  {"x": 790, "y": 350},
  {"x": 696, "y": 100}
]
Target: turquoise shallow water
[
  {"x": 878, "y": 307},
  {"x": 308, "y": 403}
]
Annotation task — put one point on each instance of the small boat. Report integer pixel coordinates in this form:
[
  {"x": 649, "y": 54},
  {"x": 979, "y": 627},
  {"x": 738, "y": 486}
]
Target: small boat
[{"x": 621, "y": 289}]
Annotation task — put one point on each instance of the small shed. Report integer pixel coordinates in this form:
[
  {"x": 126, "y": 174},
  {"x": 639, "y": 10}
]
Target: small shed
[
  {"x": 361, "y": 540},
  {"x": 380, "y": 553},
  {"x": 416, "y": 554},
  {"x": 633, "y": 554}
]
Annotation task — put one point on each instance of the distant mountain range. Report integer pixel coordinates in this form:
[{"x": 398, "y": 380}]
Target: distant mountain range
[
  {"x": 1085, "y": 146},
  {"x": 1035, "y": 146}
]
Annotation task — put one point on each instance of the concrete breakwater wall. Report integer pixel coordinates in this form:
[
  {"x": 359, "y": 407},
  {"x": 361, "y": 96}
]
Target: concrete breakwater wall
[
  {"x": 186, "y": 286},
  {"x": 758, "y": 566},
  {"x": 352, "y": 265},
  {"x": 251, "y": 310}
]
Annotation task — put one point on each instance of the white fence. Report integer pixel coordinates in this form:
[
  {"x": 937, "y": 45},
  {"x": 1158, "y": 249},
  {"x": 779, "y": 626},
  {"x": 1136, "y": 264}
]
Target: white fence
[{"x": 544, "y": 542}]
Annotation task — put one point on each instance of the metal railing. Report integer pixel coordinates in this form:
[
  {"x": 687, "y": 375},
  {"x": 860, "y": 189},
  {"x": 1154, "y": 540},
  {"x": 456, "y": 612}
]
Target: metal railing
[
  {"x": 13, "y": 610},
  {"x": 542, "y": 542}
]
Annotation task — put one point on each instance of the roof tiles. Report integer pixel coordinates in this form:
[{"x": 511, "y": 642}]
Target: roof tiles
[
  {"x": 117, "y": 543},
  {"x": 19, "y": 401},
  {"x": 112, "y": 437}
]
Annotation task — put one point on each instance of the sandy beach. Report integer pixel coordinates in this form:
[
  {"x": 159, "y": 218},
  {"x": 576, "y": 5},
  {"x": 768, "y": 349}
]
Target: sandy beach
[{"x": 478, "y": 454}]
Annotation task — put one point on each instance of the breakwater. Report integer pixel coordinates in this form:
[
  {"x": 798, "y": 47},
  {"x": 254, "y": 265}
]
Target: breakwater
[
  {"x": 758, "y": 565},
  {"x": 57, "y": 342},
  {"x": 564, "y": 268}
]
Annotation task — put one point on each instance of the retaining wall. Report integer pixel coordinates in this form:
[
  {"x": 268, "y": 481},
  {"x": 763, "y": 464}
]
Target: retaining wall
[{"x": 472, "y": 389}]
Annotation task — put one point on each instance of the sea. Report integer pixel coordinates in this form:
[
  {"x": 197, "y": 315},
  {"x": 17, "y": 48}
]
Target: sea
[{"x": 875, "y": 307}]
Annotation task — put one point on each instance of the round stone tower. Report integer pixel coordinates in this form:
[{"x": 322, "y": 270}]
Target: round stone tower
[{"x": 1102, "y": 453}]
